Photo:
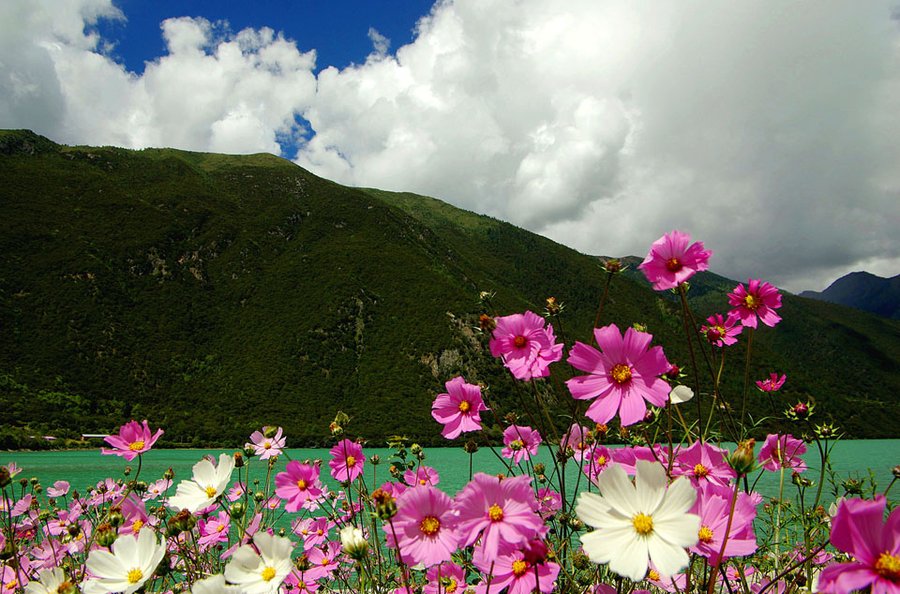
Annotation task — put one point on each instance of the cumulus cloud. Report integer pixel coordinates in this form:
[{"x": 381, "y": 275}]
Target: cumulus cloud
[{"x": 768, "y": 130}]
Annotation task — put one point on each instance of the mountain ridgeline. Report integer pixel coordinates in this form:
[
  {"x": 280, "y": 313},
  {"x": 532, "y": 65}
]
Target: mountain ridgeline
[
  {"x": 213, "y": 294},
  {"x": 865, "y": 291}
]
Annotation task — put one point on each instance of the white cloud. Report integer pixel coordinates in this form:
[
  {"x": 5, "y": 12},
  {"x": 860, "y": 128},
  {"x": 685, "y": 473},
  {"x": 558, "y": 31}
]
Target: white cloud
[{"x": 769, "y": 130}]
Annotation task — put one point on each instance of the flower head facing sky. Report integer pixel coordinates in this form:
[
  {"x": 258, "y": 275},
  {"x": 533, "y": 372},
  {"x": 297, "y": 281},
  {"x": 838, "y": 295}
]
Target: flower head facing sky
[
  {"x": 520, "y": 443},
  {"x": 526, "y": 345},
  {"x": 672, "y": 260},
  {"x": 623, "y": 375},
  {"x": 722, "y": 331},
  {"x": 459, "y": 408},
  {"x": 128, "y": 564},
  {"x": 261, "y": 572},
  {"x": 347, "y": 461},
  {"x": 758, "y": 300},
  {"x": 209, "y": 482},
  {"x": 782, "y": 451},
  {"x": 425, "y": 527},
  {"x": 772, "y": 383},
  {"x": 639, "y": 523},
  {"x": 133, "y": 439}
]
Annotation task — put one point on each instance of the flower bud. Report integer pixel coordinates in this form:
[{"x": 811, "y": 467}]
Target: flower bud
[
  {"x": 74, "y": 530},
  {"x": 169, "y": 474},
  {"x": 302, "y": 563},
  {"x": 237, "y": 510},
  {"x": 270, "y": 431},
  {"x": 115, "y": 517},
  {"x": 540, "y": 468},
  {"x": 105, "y": 535},
  {"x": 673, "y": 373},
  {"x": 486, "y": 323},
  {"x": 852, "y": 486},
  {"x": 259, "y": 497},
  {"x": 742, "y": 459},
  {"x": 354, "y": 543},
  {"x": 470, "y": 446},
  {"x": 896, "y": 471},
  {"x": 4, "y": 477},
  {"x": 612, "y": 266},
  {"x": 238, "y": 460},
  {"x": 375, "y": 460},
  {"x": 553, "y": 307}
]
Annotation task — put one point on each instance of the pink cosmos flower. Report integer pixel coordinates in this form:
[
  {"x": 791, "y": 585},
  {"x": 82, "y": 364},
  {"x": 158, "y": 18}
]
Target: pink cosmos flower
[
  {"x": 758, "y": 300},
  {"x": 782, "y": 451},
  {"x": 859, "y": 530},
  {"x": 596, "y": 461},
  {"x": 628, "y": 457},
  {"x": 298, "y": 485},
  {"x": 347, "y": 461},
  {"x": 458, "y": 409},
  {"x": 313, "y": 531},
  {"x": 713, "y": 506},
  {"x": 579, "y": 438},
  {"x": 423, "y": 475},
  {"x": 425, "y": 527},
  {"x": 526, "y": 345},
  {"x": 133, "y": 439},
  {"x": 722, "y": 331},
  {"x": 671, "y": 261},
  {"x": 266, "y": 447},
  {"x": 324, "y": 560},
  {"x": 772, "y": 383},
  {"x": 59, "y": 489},
  {"x": 703, "y": 463},
  {"x": 520, "y": 443},
  {"x": 549, "y": 502},
  {"x": 502, "y": 512},
  {"x": 214, "y": 530},
  {"x": 623, "y": 374},
  {"x": 446, "y": 578},
  {"x": 520, "y": 571}
]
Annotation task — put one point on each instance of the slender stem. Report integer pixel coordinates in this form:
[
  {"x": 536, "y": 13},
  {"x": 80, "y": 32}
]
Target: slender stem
[
  {"x": 746, "y": 380},
  {"x": 718, "y": 565}
]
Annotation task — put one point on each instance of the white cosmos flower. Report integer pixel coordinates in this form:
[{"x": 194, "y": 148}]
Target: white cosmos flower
[
  {"x": 131, "y": 563},
  {"x": 209, "y": 482},
  {"x": 637, "y": 523},
  {"x": 680, "y": 394},
  {"x": 214, "y": 584},
  {"x": 48, "y": 581},
  {"x": 263, "y": 572}
]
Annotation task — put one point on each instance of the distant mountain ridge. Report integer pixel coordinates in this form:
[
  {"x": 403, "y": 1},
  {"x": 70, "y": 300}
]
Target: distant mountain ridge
[
  {"x": 864, "y": 291},
  {"x": 213, "y": 294}
]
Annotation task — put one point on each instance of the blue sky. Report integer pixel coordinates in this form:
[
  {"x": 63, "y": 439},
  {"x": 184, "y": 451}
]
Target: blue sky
[{"x": 767, "y": 130}]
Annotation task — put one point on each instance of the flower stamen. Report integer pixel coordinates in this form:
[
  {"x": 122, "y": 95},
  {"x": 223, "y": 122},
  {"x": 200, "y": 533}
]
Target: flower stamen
[
  {"x": 429, "y": 525},
  {"x": 495, "y": 512},
  {"x": 621, "y": 373},
  {"x": 643, "y": 524}
]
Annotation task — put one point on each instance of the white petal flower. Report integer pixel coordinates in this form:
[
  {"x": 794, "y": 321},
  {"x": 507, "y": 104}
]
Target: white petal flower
[
  {"x": 209, "y": 482},
  {"x": 263, "y": 572},
  {"x": 680, "y": 394},
  {"x": 215, "y": 584},
  {"x": 48, "y": 582},
  {"x": 637, "y": 523},
  {"x": 131, "y": 563}
]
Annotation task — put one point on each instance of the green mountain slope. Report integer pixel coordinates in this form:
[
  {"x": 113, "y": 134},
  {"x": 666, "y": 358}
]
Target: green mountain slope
[{"x": 213, "y": 294}]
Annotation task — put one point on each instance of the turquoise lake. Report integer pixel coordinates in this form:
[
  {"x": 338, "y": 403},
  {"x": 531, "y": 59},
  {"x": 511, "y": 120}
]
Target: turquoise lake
[{"x": 83, "y": 468}]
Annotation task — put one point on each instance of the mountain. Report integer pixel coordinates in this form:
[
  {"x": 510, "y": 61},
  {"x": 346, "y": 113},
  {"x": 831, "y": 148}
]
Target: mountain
[
  {"x": 865, "y": 291},
  {"x": 213, "y": 294}
]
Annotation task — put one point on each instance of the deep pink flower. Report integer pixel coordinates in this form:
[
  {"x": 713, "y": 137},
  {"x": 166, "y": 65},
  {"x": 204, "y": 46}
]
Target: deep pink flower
[
  {"x": 518, "y": 570},
  {"x": 722, "y": 331},
  {"x": 446, "y": 578},
  {"x": 423, "y": 475},
  {"x": 313, "y": 531},
  {"x": 713, "y": 505},
  {"x": 298, "y": 485},
  {"x": 549, "y": 502},
  {"x": 595, "y": 461},
  {"x": 502, "y": 512},
  {"x": 526, "y": 345},
  {"x": 623, "y": 374},
  {"x": 324, "y": 559},
  {"x": 133, "y": 439},
  {"x": 579, "y": 438},
  {"x": 347, "y": 461},
  {"x": 266, "y": 447},
  {"x": 459, "y": 409},
  {"x": 425, "y": 527},
  {"x": 757, "y": 300},
  {"x": 782, "y": 451},
  {"x": 703, "y": 463},
  {"x": 520, "y": 443},
  {"x": 671, "y": 261},
  {"x": 214, "y": 530},
  {"x": 859, "y": 530},
  {"x": 772, "y": 383}
]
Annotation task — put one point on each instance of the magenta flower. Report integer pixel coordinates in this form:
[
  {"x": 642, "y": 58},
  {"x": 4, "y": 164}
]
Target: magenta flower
[
  {"x": 722, "y": 331},
  {"x": 579, "y": 438},
  {"x": 214, "y": 530},
  {"x": 671, "y": 261},
  {"x": 446, "y": 578},
  {"x": 772, "y": 383},
  {"x": 313, "y": 531},
  {"x": 757, "y": 300},
  {"x": 425, "y": 527},
  {"x": 704, "y": 464},
  {"x": 549, "y": 502},
  {"x": 713, "y": 505},
  {"x": 520, "y": 571},
  {"x": 623, "y": 374},
  {"x": 459, "y": 409},
  {"x": 346, "y": 461},
  {"x": 266, "y": 447},
  {"x": 595, "y": 461},
  {"x": 298, "y": 485},
  {"x": 859, "y": 530},
  {"x": 423, "y": 475},
  {"x": 526, "y": 345},
  {"x": 133, "y": 439},
  {"x": 520, "y": 443},
  {"x": 502, "y": 512},
  {"x": 782, "y": 451}
]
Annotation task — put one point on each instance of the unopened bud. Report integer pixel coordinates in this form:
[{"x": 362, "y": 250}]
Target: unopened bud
[
  {"x": 742, "y": 459},
  {"x": 375, "y": 460},
  {"x": 4, "y": 477},
  {"x": 259, "y": 497},
  {"x": 486, "y": 323},
  {"x": 302, "y": 563},
  {"x": 105, "y": 535},
  {"x": 238, "y": 460},
  {"x": 269, "y": 431},
  {"x": 115, "y": 517},
  {"x": 612, "y": 266},
  {"x": 673, "y": 373},
  {"x": 354, "y": 543},
  {"x": 470, "y": 446},
  {"x": 553, "y": 307},
  {"x": 237, "y": 510},
  {"x": 169, "y": 474}
]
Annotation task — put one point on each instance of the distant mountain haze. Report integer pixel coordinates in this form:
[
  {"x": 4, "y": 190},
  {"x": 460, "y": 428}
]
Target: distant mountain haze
[{"x": 864, "y": 291}]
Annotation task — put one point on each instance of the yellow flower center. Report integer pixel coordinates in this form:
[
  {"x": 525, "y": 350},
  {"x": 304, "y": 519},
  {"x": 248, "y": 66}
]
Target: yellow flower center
[
  {"x": 495, "y": 512},
  {"x": 600, "y": 461},
  {"x": 888, "y": 566},
  {"x": 464, "y": 406},
  {"x": 423, "y": 482},
  {"x": 621, "y": 373},
  {"x": 135, "y": 575},
  {"x": 136, "y": 445},
  {"x": 705, "y": 534},
  {"x": 700, "y": 471},
  {"x": 516, "y": 445},
  {"x": 673, "y": 265},
  {"x": 210, "y": 491},
  {"x": 653, "y": 575},
  {"x": 751, "y": 302},
  {"x": 643, "y": 524},
  {"x": 520, "y": 341},
  {"x": 11, "y": 585},
  {"x": 451, "y": 586},
  {"x": 301, "y": 484},
  {"x": 351, "y": 461},
  {"x": 519, "y": 567},
  {"x": 267, "y": 445},
  {"x": 429, "y": 525},
  {"x": 220, "y": 527},
  {"x": 137, "y": 525},
  {"x": 268, "y": 573}
]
